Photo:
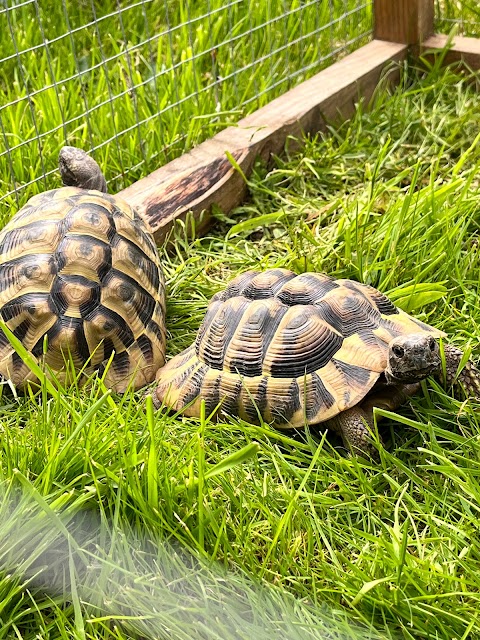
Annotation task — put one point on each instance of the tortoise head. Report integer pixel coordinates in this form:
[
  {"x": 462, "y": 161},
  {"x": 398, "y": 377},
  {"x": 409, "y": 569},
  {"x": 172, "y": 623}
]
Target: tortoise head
[
  {"x": 80, "y": 170},
  {"x": 412, "y": 358}
]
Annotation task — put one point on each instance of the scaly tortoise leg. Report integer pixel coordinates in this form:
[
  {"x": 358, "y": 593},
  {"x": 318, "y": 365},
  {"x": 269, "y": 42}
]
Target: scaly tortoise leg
[
  {"x": 356, "y": 424},
  {"x": 467, "y": 380}
]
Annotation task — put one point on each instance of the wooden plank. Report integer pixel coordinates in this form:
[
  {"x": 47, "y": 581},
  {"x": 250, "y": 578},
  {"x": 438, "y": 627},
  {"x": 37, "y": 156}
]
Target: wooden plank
[
  {"x": 460, "y": 49},
  {"x": 406, "y": 21},
  {"x": 205, "y": 176}
]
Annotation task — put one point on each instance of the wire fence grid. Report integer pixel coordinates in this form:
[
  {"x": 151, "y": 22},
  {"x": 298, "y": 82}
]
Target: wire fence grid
[
  {"x": 139, "y": 82},
  {"x": 463, "y": 15}
]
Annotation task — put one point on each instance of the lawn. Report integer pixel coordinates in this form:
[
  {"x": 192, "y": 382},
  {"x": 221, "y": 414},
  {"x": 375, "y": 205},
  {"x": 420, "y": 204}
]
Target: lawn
[
  {"x": 194, "y": 66},
  {"x": 117, "y": 522}
]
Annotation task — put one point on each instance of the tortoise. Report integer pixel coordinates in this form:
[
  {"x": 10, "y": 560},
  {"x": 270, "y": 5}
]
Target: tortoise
[
  {"x": 295, "y": 349},
  {"x": 80, "y": 274}
]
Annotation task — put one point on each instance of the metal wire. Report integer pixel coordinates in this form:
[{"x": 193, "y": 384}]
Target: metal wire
[
  {"x": 140, "y": 82},
  {"x": 461, "y": 15}
]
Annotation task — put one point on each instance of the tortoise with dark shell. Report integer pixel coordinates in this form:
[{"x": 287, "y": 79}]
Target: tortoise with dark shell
[
  {"x": 295, "y": 349},
  {"x": 79, "y": 269}
]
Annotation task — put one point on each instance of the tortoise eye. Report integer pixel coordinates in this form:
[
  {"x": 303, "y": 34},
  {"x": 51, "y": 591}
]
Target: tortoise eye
[
  {"x": 398, "y": 351},
  {"x": 432, "y": 344}
]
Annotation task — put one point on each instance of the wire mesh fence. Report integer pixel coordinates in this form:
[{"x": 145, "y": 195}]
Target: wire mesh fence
[
  {"x": 138, "y": 82},
  {"x": 463, "y": 15}
]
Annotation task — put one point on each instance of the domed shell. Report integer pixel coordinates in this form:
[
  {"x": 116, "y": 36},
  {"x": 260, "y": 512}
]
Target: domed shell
[
  {"x": 293, "y": 349},
  {"x": 79, "y": 270}
]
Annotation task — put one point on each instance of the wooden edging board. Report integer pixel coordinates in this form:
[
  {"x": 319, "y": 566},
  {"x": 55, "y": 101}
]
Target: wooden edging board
[
  {"x": 205, "y": 176},
  {"x": 459, "y": 49}
]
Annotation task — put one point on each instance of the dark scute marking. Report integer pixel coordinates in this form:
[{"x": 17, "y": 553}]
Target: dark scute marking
[
  {"x": 219, "y": 332},
  {"x": 357, "y": 375},
  {"x": 86, "y": 244},
  {"x": 384, "y": 304},
  {"x": 17, "y": 361},
  {"x": 121, "y": 364},
  {"x": 126, "y": 292},
  {"x": 26, "y": 302},
  {"x": 194, "y": 385},
  {"x": 292, "y": 364},
  {"x": 213, "y": 398},
  {"x": 318, "y": 398},
  {"x": 24, "y": 266},
  {"x": 421, "y": 325},
  {"x": 156, "y": 330},
  {"x": 51, "y": 334},
  {"x": 4, "y": 343},
  {"x": 326, "y": 312},
  {"x": 108, "y": 348},
  {"x": 357, "y": 287},
  {"x": 28, "y": 234},
  {"x": 250, "y": 368},
  {"x": 260, "y": 398},
  {"x": 123, "y": 331},
  {"x": 235, "y": 286},
  {"x": 180, "y": 380},
  {"x": 259, "y": 290},
  {"x": 210, "y": 314},
  {"x": 55, "y": 331},
  {"x": 21, "y": 330},
  {"x": 140, "y": 229},
  {"x": 140, "y": 260},
  {"x": 145, "y": 345},
  {"x": 258, "y": 403},
  {"x": 266, "y": 325},
  {"x": 283, "y": 408},
  {"x": 317, "y": 288},
  {"x": 92, "y": 212},
  {"x": 80, "y": 340},
  {"x": 230, "y": 402},
  {"x": 359, "y": 316},
  {"x": 61, "y": 302},
  {"x": 142, "y": 301}
]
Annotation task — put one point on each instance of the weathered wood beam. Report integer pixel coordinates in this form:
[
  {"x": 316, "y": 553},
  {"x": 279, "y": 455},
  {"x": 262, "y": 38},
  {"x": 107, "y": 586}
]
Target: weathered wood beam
[
  {"x": 205, "y": 176},
  {"x": 406, "y": 21},
  {"x": 459, "y": 50}
]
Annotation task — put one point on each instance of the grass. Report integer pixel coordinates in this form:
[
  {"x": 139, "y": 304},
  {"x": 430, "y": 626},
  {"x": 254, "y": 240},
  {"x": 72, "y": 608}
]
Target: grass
[
  {"x": 287, "y": 537},
  {"x": 465, "y": 13},
  {"x": 141, "y": 82},
  {"x": 119, "y": 523}
]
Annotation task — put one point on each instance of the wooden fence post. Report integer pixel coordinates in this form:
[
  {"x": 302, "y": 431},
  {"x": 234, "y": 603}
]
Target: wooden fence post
[{"x": 404, "y": 21}]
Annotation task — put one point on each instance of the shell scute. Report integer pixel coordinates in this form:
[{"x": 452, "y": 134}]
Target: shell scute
[
  {"x": 288, "y": 349},
  {"x": 79, "y": 268}
]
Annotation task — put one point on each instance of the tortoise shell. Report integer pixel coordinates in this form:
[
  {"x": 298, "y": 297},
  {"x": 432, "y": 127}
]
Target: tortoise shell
[
  {"x": 291, "y": 349},
  {"x": 79, "y": 269}
]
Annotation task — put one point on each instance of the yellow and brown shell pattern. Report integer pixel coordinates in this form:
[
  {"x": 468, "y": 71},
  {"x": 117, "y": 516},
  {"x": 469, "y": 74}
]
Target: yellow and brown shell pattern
[
  {"x": 293, "y": 349},
  {"x": 80, "y": 268}
]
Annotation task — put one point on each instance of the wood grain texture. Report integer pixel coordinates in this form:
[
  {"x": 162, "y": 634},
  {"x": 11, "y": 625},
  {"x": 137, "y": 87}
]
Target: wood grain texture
[
  {"x": 406, "y": 21},
  {"x": 204, "y": 176},
  {"x": 460, "y": 49}
]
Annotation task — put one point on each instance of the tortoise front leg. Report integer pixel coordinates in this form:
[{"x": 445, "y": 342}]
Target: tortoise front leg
[
  {"x": 355, "y": 426},
  {"x": 468, "y": 378}
]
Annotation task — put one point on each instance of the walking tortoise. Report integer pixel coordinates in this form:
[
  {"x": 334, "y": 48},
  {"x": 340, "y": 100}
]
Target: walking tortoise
[{"x": 295, "y": 349}]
